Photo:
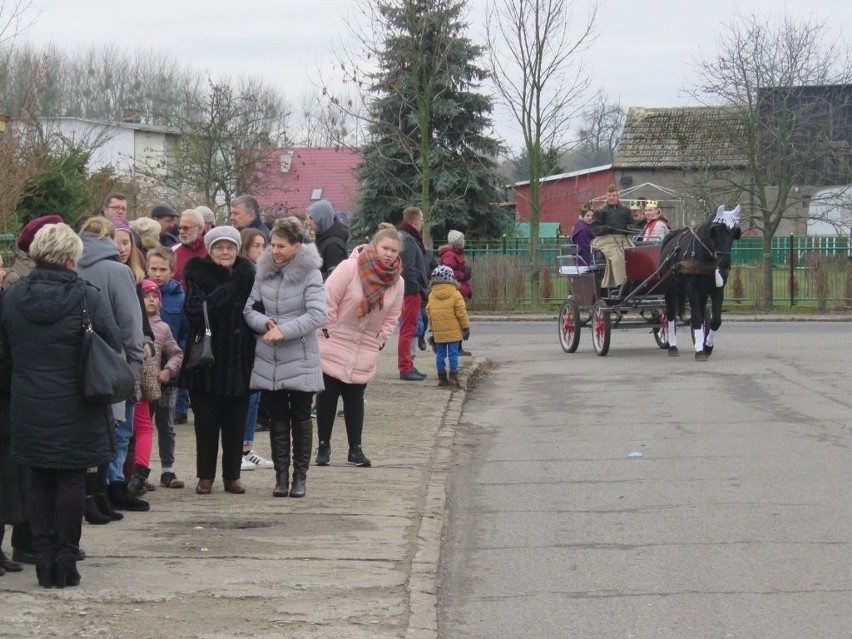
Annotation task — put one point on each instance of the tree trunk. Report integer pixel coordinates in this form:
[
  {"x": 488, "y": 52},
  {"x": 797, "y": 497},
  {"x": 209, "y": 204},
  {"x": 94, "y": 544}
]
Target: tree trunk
[{"x": 768, "y": 301}]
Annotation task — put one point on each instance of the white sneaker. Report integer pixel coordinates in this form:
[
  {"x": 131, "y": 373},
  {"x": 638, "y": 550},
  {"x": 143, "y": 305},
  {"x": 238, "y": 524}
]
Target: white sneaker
[{"x": 252, "y": 460}]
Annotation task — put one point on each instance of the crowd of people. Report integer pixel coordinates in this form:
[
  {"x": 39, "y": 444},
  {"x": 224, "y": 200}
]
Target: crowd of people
[{"x": 230, "y": 321}]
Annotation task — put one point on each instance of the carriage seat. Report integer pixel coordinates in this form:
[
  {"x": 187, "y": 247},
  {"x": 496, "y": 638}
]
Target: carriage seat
[{"x": 569, "y": 261}]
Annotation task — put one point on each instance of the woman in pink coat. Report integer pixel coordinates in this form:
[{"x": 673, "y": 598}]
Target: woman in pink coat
[{"x": 364, "y": 299}]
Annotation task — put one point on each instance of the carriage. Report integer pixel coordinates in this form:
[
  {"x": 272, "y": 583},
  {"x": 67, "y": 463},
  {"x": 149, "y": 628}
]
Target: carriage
[{"x": 640, "y": 305}]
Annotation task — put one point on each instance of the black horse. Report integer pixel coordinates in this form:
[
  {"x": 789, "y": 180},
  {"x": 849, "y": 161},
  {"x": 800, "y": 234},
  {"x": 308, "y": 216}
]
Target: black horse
[{"x": 697, "y": 260}]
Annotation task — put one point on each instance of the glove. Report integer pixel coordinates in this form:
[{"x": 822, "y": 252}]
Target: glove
[{"x": 465, "y": 334}]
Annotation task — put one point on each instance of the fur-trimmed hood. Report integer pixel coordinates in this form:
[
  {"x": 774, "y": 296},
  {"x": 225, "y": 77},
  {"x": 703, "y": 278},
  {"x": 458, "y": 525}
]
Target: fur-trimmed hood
[
  {"x": 296, "y": 270},
  {"x": 208, "y": 275}
]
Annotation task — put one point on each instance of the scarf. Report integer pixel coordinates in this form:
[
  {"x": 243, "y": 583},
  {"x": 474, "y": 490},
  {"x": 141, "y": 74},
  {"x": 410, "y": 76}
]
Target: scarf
[
  {"x": 375, "y": 279},
  {"x": 413, "y": 232}
]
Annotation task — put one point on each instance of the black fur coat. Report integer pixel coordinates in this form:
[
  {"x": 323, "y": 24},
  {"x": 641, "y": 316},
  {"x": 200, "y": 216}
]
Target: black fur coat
[{"x": 226, "y": 292}]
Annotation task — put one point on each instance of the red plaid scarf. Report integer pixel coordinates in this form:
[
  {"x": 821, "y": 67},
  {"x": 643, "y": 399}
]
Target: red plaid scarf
[{"x": 375, "y": 279}]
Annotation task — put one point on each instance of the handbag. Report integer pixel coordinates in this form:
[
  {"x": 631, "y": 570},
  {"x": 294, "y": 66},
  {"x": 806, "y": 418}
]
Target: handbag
[
  {"x": 104, "y": 376},
  {"x": 149, "y": 373},
  {"x": 201, "y": 349}
]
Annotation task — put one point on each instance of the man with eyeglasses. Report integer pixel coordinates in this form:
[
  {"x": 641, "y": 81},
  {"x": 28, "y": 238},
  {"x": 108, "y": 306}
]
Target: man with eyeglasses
[
  {"x": 190, "y": 240},
  {"x": 114, "y": 207}
]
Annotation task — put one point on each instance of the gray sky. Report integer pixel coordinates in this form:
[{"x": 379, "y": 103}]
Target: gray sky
[{"x": 642, "y": 57}]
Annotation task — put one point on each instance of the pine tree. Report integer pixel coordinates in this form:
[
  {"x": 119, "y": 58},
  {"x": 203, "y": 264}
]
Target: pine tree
[{"x": 428, "y": 145}]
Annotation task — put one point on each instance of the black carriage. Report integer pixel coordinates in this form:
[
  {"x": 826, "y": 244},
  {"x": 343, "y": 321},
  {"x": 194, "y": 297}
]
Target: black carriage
[{"x": 639, "y": 303}]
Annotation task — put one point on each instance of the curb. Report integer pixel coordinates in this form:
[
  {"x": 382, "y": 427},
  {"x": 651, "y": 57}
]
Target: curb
[
  {"x": 727, "y": 317},
  {"x": 423, "y": 576}
]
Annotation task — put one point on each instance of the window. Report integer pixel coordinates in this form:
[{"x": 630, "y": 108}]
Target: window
[{"x": 316, "y": 194}]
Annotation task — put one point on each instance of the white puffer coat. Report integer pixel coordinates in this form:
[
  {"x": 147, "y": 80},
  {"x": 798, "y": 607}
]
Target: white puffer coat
[{"x": 294, "y": 297}]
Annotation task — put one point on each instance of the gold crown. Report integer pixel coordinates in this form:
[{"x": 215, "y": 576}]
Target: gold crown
[{"x": 651, "y": 204}]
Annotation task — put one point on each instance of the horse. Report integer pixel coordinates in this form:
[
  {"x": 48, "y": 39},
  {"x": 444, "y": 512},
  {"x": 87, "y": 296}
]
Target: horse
[{"x": 695, "y": 262}]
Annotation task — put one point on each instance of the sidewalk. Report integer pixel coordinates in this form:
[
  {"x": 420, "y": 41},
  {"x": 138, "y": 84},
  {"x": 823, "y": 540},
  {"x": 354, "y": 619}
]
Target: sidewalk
[{"x": 355, "y": 558}]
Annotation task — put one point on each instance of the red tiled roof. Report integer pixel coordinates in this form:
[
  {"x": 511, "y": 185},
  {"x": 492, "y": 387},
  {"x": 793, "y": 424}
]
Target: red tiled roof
[{"x": 330, "y": 169}]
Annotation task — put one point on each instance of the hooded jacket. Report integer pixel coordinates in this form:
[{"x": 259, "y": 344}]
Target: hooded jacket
[
  {"x": 447, "y": 313},
  {"x": 454, "y": 258},
  {"x": 292, "y": 296},
  {"x": 226, "y": 292},
  {"x": 41, "y": 327},
  {"x": 99, "y": 265},
  {"x": 331, "y": 244},
  {"x": 351, "y": 348}
]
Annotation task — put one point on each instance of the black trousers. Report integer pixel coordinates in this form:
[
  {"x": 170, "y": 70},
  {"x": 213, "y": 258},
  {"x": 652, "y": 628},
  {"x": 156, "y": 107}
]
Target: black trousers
[
  {"x": 215, "y": 414},
  {"x": 353, "y": 409},
  {"x": 287, "y": 405},
  {"x": 55, "y": 508}
]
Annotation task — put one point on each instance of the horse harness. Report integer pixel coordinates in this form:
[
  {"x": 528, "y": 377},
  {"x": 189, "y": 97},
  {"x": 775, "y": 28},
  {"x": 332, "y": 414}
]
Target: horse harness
[{"x": 694, "y": 266}]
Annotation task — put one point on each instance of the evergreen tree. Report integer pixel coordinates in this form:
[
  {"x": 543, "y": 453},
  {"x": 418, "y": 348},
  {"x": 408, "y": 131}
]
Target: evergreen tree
[{"x": 428, "y": 144}]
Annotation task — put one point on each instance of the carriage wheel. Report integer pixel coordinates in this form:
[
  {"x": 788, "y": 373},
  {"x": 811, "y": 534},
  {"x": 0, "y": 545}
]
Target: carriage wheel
[
  {"x": 661, "y": 333},
  {"x": 601, "y": 329},
  {"x": 569, "y": 326}
]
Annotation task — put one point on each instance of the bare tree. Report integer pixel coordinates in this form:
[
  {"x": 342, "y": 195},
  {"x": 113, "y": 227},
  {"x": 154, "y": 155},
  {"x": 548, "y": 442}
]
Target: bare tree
[
  {"x": 791, "y": 130},
  {"x": 536, "y": 49},
  {"x": 325, "y": 121},
  {"x": 600, "y": 128}
]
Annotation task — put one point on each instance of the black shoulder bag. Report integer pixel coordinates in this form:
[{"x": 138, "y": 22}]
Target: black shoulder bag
[
  {"x": 201, "y": 349},
  {"x": 104, "y": 377}
]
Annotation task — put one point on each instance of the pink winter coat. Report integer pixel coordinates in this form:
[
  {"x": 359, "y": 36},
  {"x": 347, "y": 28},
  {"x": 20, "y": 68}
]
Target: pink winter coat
[{"x": 351, "y": 350}]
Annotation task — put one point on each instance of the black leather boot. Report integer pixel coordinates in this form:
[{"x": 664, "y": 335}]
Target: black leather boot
[
  {"x": 92, "y": 514},
  {"x": 136, "y": 486},
  {"x": 120, "y": 500},
  {"x": 442, "y": 379},
  {"x": 104, "y": 505},
  {"x": 303, "y": 438},
  {"x": 279, "y": 440},
  {"x": 66, "y": 573}
]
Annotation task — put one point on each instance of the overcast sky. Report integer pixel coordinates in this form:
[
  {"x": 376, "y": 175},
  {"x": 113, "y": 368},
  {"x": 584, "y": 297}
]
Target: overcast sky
[{"x": 642, "y": 57}]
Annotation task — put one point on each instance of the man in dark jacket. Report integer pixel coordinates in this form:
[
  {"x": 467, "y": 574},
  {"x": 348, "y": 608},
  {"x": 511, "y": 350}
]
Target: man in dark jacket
[
  {"x": 610, "y": 226},
  {"x": 245, "y": 214},
  {"x": 416, "y": 277},
  {"x": 331, "y": 236}
]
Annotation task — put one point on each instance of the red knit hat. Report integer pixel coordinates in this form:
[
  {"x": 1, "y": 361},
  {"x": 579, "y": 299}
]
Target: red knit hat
[
  {"x": 149, "y": 287},
  {"x": 29, "y": 231}
]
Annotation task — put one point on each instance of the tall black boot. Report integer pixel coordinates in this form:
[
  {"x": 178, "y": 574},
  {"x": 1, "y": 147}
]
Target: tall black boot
[
  {"x": 104, "y": 505},
  {"x": 120, "y": 500},
  {"x": 279, "y": 440},
  {"x": 303, "y": 437},
  {"x": 136, "y": 486},
  {"x": 92, "y": 514}
]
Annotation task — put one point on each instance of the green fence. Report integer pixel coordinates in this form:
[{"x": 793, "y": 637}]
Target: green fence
[{"x": 807, "y": 272}]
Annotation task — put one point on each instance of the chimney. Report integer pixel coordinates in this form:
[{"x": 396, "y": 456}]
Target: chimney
[{"x": 131, "y": 116}]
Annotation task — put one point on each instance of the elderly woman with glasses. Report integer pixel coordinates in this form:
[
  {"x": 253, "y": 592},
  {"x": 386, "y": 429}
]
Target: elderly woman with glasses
[
  {"x": 55, "y": 431},
  {"x": 219, "y": 393}
]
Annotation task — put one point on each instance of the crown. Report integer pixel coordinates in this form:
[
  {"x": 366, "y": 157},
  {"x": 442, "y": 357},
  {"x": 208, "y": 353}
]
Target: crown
[{"x": 651, "y": 204}]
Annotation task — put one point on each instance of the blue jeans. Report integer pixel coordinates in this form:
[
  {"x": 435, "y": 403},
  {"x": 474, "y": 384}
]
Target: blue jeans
[
  {"x": 123, "y": 432},
  {"x": 182, "y": 402},
  {"x": 445, "y": 351},
  {"x": 251, "y": 418}
]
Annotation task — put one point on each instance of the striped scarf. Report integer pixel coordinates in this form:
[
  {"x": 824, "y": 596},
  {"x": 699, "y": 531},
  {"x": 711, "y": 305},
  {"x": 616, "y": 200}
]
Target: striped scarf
[{"x": 375, "y": 279}]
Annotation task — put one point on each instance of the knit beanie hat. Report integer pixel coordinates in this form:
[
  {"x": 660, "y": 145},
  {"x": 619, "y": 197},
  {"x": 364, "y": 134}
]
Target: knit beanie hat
[
  {"x": 148, "y": 286},
  {"x": 29, "y": 231},
  {"x": 207, "y": 214},
  {"x": 456, "y": 239},
  {"x": 443, "y": 274},
  {"x": 222, "y": 233},
  {"x": 322, "y": 213}
]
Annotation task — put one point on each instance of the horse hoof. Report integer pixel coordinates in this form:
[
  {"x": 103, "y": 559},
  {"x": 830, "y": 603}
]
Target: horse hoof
[
  {"x": 708, "y": 350},
  {"x": 673, "y": 351},
  {"x": 701, "y": 356}
]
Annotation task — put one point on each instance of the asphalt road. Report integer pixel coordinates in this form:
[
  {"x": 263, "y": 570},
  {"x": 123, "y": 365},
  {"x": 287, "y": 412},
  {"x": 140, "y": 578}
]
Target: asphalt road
[{"x": 735, "y": 521}]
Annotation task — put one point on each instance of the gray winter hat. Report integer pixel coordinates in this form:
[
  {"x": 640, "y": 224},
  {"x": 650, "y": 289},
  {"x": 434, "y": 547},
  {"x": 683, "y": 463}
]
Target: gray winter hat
[
  {"x": 322, "y": 213},
  {"x": 219, "y": 233}
]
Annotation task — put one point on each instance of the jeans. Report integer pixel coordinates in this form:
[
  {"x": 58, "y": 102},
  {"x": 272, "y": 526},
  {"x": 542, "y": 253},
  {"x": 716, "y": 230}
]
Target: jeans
[
  {"x": 251, "y": 419},
  {"x": 123, "y": 432},
  {"x": 164, "y": 417},
  {"x": 447, "y": 351}
]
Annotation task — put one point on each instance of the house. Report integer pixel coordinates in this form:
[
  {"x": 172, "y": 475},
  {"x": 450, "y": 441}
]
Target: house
[
  {"x": 563, "y": 195},
  {"x": 293, "y": 178},
  {"x": 127, "y": 146}
]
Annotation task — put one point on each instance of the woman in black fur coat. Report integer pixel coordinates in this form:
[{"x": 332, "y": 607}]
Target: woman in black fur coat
[{"x": 219, "y": 393}]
